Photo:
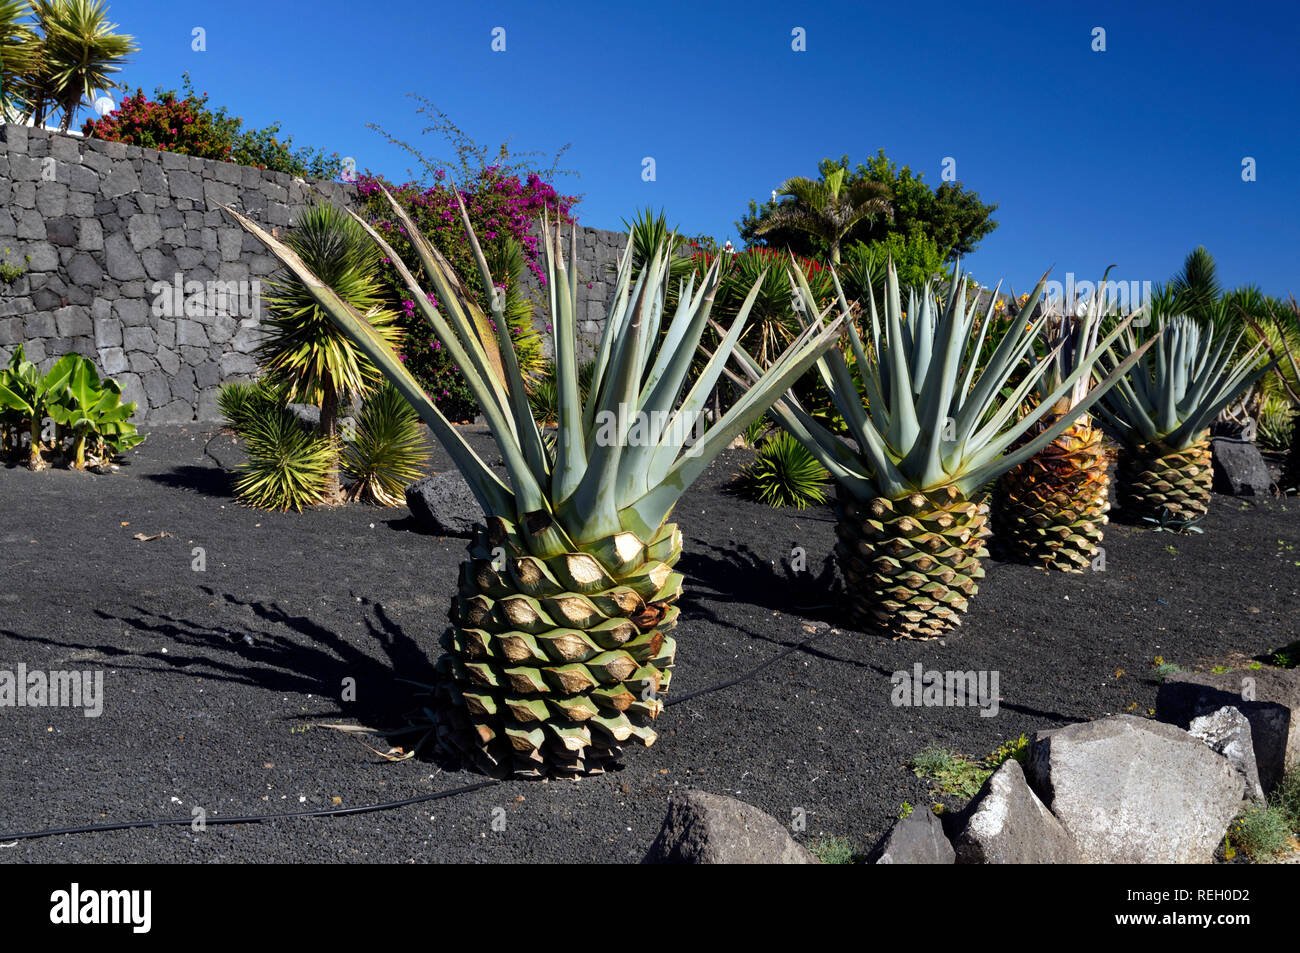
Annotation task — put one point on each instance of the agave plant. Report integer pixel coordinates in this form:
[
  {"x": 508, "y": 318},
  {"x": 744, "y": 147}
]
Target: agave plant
[
  {"x": 387, "y": 451},
  {"x": 1163, "y": 408},
  {"x": 937, "y": 426},
  {"x": 559, "y": 650},
  {"x": 1051, "y": 509}
]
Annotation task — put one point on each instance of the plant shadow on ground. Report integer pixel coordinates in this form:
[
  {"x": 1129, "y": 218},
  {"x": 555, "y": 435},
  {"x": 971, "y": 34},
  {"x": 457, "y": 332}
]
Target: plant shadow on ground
[
  {"x": 206, "y": 481},
  {"x": 277, "y": 663}
]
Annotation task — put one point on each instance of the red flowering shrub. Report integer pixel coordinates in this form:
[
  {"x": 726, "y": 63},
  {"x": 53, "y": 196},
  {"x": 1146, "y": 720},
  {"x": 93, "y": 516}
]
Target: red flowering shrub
[{"x": 168, "y": 123}]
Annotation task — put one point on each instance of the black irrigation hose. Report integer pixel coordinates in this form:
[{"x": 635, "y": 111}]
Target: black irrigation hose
[{"x": 370, "y": 808}]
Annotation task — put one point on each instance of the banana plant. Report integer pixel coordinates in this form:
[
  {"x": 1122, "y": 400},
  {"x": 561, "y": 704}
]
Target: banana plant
[
  {"x": 32, "y": 396},
  {"x": 93, "y": 413}
]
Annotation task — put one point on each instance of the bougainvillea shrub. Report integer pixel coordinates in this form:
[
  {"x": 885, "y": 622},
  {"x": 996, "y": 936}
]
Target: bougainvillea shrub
[{"x": 501, "y": 207}]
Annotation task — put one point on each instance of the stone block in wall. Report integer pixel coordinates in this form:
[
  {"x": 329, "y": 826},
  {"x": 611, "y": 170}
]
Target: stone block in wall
[
  {"x": 133, "y": 393},
  {"x": 11, "y": 331},
  {"x": 139, "y": 339},
  {"x": 39, "y": 324},
  {"x": 219, "y": 193},
  {"x": 186, "y": 185},
  {"x": 90, "y": 235},
  {"x": 8, "y": 225},
  {"x": 132, "y": 312},
  {"x": 141, "y": 363},
  {"x": 168, "y": 360},
  {"x": 156, "y": 388},
  {"x": 31, "y": 225},
  {"x": 121, "y": 260},
  {"x": 34, "y": 349},
  {"x": 234, "y": 364},
  {"x": 112, "y": 360},
  {"x": 190, "y": 334},
  {"x": 61, "y": 231},
  {"x": 108, "y": 332},
  {"x": 121, "y": 180},
  {"x": 44, "y": 257},
  {"x": 83, "y": 271},
  {"x": 73, "y": 321},
  {"x": 144, "y": 230},
  {"x": 51, "y": 199}
]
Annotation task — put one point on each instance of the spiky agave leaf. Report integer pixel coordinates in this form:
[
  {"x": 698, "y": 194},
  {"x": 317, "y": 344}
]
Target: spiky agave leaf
[
  {"x": 386, "y": 452},
  {"x": 939, "y": 423},
  {"x": 1162, "y": 408},
  {"x": 558, "y": 650}
]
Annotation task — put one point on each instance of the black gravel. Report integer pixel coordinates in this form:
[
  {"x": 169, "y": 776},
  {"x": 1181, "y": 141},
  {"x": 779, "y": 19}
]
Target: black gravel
[{"x": 215, "y": 681}]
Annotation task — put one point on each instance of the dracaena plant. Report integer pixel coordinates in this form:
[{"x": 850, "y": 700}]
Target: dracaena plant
[
  {"x": 559, "y": 649},
  {"x": 1162, "y": 409},
  {"x": 938, "y": 424}
]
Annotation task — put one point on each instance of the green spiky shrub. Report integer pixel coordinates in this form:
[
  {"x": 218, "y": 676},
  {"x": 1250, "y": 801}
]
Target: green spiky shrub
[
  {"x": 287, "y": 465},
  {"x": 242, "y": 402},
  {"x": 939, "y": 423},
  {"x": 303, "y": 353},
  {"x": 387, "y": 450},
  {"x": 1161, "y": 410},
  {"x": 785, "y": 473},
  {"x": 559, "y": 651}
]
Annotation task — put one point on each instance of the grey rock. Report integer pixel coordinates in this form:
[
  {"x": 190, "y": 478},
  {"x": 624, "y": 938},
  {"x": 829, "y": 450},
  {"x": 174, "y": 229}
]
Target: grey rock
[
  {"x": 11, "y": 332},
  {"x": 133, "y": 393},
  {"x": 153, "y": 179},
  {"x": 1239, "y": 468},
  {"x": 61, "y": 231},
  {"x": 157, "y": 388},
  {"x": 1008, "y": 824},
  {"x": 108, "y": 332},
  {"x": 132, "y": 312},
  {"x": 90, "y": 235},
  {"x": 190, "y": 333},
  {"x": 139, "y": 339},
  {"x": 1135, "y": 791},
  {"x": 141, "y": 363},
  {"x": 1268, "y": 697},
  {"x": 44, "y": 257},
  {"x": 145, "y": 230},
  {"x": 915, "y": 839},
  {"x": 112, "y": 360},
  {"x": 39, "y": 325},
  {"x": 121, "y": 180},
  {"x": 84, "y": 271},
  {"x": 702, "y": 828},
  {"x": 73, "y": 321},
  {"x": 175, "y": 412},
  {"x": 52, "y": 199},
  {"x": 1227, "y": 731},
  {"x": 167, "y": 360},
  {"x": 120, "y": 259},
  {"x": 186, "y": 185},
  {"x": 443, "y": 504}
]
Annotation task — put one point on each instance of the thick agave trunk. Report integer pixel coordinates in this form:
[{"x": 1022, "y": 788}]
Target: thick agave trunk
[
  {"x": 1153, "y": 479},
  {"x": 1051, "y": 509},
  {"x": 552, "y": 664},
  {"x": 911, "y": 565}
]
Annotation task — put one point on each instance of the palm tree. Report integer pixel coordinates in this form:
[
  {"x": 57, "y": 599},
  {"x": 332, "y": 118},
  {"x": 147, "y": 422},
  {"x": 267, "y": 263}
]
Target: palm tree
[
  {"x": 17, "y": 48},
  {"x": 1197, "y": 285},
  {"x": 828, "y": 209},
  {"x": 76, "y": 55},
  {"x": 304, "y": 350}
]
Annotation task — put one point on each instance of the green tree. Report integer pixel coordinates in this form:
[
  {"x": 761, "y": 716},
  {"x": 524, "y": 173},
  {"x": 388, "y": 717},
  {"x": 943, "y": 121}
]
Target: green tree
[
  {"x": 952, "y": 216},
  {"x": 77, "y": 53},
  {"x": 826, "y": 210}
]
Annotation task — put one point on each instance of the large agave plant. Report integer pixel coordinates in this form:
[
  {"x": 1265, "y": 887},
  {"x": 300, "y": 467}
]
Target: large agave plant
[
  {"x": 559, "y": 649},
  {"x": 1162, "y": 409},
  {"x": 939, "y": 423},
  {"x": 1051, "y": 509}
]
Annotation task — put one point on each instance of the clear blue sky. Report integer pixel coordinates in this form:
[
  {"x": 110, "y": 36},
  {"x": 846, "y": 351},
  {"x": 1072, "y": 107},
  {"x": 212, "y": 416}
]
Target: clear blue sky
[{"x": 1130, "y": 156}]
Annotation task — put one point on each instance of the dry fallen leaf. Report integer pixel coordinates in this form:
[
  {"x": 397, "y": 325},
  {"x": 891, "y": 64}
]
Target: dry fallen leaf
[{"x": 144, "y": 539}]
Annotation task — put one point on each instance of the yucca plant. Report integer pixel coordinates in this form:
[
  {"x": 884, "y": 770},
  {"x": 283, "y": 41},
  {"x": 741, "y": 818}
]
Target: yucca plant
[
  {"x": 288, "y": 466},
  {"x": 1051, "y": 510},
  {"x": 785, "y": 473},
  {"x": 387, "y": 451},
  {"x": 559, "y": 649},
  {"x": 938, "y": 425},
  {"x": 242, "y": 402},
  {"x": 1162, "y": 409},
  {"x": 1278, "y": 334},
  {"x": 303, "y": 351}
]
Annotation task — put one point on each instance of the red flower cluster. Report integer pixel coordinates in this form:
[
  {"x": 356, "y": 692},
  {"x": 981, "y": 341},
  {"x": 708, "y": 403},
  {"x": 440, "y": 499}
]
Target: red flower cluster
[{"x": 170, "y": 124}]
